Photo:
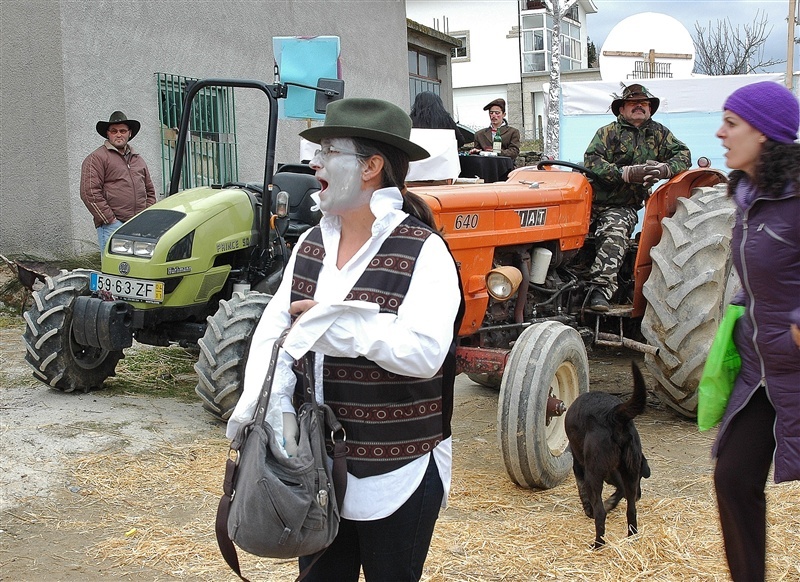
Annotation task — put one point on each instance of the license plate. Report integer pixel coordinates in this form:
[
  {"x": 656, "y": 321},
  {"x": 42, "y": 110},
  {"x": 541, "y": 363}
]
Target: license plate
[{"x": 125, "y": 288}]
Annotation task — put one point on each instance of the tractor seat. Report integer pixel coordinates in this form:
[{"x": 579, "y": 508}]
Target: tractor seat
[
  {"x": 300, "y": 187},
  {"x": 296, "y": 169}
]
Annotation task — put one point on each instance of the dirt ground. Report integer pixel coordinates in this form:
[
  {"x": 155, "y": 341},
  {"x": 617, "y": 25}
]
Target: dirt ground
[{"x": 98, "y": 487}]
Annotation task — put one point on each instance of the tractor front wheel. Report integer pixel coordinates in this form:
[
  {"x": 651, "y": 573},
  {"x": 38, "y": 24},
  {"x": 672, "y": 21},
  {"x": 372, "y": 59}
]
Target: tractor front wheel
[
  {"x": 224, "y": 349},
  {"x": 56, "y": 357},
  {"x": 546, "y": 371}
]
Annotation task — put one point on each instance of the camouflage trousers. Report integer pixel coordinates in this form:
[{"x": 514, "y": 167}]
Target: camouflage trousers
[{"x": 613, "y": 227}]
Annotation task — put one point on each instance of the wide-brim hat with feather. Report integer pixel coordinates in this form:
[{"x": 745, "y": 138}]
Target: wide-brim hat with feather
[
  {"x": 118, "y": 117},
  {"x": 373, "y": 119},
  {"x": 635, "y": 92}
]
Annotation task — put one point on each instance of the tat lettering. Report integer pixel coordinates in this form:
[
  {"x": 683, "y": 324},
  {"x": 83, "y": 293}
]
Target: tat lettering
[{"x": 532, "y": 217}]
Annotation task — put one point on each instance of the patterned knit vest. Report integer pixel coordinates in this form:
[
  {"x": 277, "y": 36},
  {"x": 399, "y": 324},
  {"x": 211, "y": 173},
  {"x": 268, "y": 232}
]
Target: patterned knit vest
[{"x": 390, "y": 419}]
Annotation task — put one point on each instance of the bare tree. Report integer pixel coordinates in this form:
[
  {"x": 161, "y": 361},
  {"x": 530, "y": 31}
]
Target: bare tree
[
  {"x": 722, "y": 49},
  {"x": 557, "y": 8}
]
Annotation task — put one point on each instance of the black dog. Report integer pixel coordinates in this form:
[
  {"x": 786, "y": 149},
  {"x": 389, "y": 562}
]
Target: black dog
[{"x": 606, "y": 447}]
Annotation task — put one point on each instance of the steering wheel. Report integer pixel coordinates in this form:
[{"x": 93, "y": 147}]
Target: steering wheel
[{"x": 591, "y": 176}]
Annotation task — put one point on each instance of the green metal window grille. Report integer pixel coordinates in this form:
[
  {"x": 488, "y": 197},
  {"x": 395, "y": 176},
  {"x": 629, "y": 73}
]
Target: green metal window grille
[{"x": 212, "y": 155}]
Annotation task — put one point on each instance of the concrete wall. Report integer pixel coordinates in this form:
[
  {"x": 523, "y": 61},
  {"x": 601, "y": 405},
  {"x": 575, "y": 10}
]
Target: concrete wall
[
  {"x": 34, "y": 169},
  {"x": 67, "y": 64}
]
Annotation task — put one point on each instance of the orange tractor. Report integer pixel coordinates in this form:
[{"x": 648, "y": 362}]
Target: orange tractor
[{"x": 524, "y": 249}]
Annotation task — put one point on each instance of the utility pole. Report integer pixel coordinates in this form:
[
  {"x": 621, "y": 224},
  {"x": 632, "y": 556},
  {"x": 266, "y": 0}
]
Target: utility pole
[{"x": 790, "y": 25}]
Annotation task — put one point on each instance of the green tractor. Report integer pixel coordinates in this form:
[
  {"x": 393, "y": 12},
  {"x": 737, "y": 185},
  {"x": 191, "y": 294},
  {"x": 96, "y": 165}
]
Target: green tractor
[{"x": 197, "y": 269}]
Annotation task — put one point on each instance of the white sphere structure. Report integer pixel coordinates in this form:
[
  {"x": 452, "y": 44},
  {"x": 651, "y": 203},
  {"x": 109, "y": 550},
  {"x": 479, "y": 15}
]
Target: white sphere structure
[{"x": 647, "y": 45}]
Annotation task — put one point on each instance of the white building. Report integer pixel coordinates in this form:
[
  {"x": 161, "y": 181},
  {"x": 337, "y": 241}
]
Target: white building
[{"x": 505, "y": 53}]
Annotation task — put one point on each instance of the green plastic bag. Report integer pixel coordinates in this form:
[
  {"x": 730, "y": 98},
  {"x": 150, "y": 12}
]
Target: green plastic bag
[{"x": 719, "y": 374}]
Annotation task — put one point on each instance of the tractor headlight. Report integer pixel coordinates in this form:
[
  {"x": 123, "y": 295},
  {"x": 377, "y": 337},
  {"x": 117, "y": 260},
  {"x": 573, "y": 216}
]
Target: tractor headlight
[
  {"x": 137, "y": 248},
  {"x": 144, "y": 249},
  {"x": 503, "y": 282},
  {"x": 121, "y": 246}
]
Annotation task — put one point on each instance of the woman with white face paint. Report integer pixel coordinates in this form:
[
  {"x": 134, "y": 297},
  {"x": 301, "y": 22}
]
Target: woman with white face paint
[{"x": 374, "y": 294}]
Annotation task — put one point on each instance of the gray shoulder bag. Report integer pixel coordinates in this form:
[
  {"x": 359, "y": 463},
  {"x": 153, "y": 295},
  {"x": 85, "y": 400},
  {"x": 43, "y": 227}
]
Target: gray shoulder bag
[{"x": 278, "y": 507}]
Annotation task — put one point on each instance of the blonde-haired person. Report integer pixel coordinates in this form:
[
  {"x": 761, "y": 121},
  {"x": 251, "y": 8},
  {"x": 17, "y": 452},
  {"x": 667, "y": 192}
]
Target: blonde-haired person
[{"x": 762, "y": 419}]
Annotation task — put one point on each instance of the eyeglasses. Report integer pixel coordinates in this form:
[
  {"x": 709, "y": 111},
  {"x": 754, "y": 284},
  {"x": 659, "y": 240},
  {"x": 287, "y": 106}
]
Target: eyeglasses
[
  {"x": 326, "y": 151},
  {"x": 124, "y": 130},
  {"x": 638, "y": 101}
]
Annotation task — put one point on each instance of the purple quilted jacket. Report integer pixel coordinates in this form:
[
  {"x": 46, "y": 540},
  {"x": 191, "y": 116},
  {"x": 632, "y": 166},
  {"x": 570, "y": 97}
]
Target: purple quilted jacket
[{"x": 766, "y": 253}]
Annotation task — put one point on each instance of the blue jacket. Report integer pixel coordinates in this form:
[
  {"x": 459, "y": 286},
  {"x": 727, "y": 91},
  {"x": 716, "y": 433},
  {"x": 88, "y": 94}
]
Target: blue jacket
[{"x": 766, "y": 253}]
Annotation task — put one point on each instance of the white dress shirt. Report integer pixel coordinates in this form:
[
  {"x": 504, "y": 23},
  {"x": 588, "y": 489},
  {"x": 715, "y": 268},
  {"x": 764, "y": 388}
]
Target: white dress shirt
[{"x": 414, "y": 342}]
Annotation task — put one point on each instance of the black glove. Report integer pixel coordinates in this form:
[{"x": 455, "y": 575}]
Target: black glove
[{"x": 634, "y": 174}]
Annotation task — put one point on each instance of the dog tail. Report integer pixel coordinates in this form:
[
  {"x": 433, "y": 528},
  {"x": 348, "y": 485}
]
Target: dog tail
[{"x": 637, "y": 403}]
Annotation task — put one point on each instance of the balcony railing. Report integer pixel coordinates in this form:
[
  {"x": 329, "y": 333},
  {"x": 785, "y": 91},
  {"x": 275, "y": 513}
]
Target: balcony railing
[{"x": 648, "y": 70}]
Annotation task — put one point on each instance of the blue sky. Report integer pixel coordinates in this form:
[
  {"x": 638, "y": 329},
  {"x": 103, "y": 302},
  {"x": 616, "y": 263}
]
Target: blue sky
[{"x": 610, "y": 12}]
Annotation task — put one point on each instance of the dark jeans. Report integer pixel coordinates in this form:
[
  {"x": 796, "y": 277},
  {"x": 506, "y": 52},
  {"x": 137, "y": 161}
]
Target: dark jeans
[
  {"x": 390, "y": 549},
  {"x": 740, "y": 476}
]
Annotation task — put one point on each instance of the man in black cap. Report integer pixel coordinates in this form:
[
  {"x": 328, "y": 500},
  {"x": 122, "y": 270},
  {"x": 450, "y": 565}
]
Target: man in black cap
[
  {"x": 509, "y": 136},
  {"x": 629, "y": 155},
  {"x": 115, "y": 181}
]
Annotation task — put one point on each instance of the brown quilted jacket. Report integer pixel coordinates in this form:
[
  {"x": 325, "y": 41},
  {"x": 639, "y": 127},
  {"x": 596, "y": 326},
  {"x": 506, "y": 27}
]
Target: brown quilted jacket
[{"x": 115, "y": 187}]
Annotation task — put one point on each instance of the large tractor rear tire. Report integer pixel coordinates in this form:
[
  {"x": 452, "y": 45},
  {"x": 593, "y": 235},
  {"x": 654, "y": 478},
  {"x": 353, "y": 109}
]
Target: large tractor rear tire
[
  {"x": 547, "y": 361},
  {"x": 224, "y": 349},
  {"x": 690, "y": 283},
  {"x": 51, "y": 350}
]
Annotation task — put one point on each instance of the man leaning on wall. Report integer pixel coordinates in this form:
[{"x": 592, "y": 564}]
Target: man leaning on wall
[{"x": 115, "y": 180}]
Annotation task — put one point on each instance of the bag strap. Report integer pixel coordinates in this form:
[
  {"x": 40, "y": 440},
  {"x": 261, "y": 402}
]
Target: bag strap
[
  {"x": 266, "y": 390},
  {"x": 226, "y": 547},
  {"x": 338, "y": 436}
]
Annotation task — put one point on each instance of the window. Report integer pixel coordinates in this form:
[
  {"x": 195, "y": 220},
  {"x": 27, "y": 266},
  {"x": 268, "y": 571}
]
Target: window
[
  {"x": 422, "y": 64},
  {"x": 572, "y": 13},
  {"x": 536, "y": 41},
  {"x": 417, "y": 86},
  {"x": 211, "y": 157},
  {"x": 422, "y": 73},
  {"x": 460, "y": 54}
]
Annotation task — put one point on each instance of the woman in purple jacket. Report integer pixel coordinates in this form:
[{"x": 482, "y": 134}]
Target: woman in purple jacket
[{"x": 762, "y": 420}]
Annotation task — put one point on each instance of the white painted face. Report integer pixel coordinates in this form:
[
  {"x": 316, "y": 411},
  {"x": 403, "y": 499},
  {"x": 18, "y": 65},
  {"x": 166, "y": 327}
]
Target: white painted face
[{"x": 339, "y": 170}]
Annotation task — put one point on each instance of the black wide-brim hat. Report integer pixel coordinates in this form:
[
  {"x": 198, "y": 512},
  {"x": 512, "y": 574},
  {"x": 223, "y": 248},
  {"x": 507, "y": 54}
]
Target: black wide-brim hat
[
  {"x": 371, "y": 119},
  {"x": 635, "y": 92},
  {"x": 118, "y": 117}
]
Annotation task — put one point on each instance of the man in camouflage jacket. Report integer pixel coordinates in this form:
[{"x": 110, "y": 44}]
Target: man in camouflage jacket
[{"x": 629, "y": 155}]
